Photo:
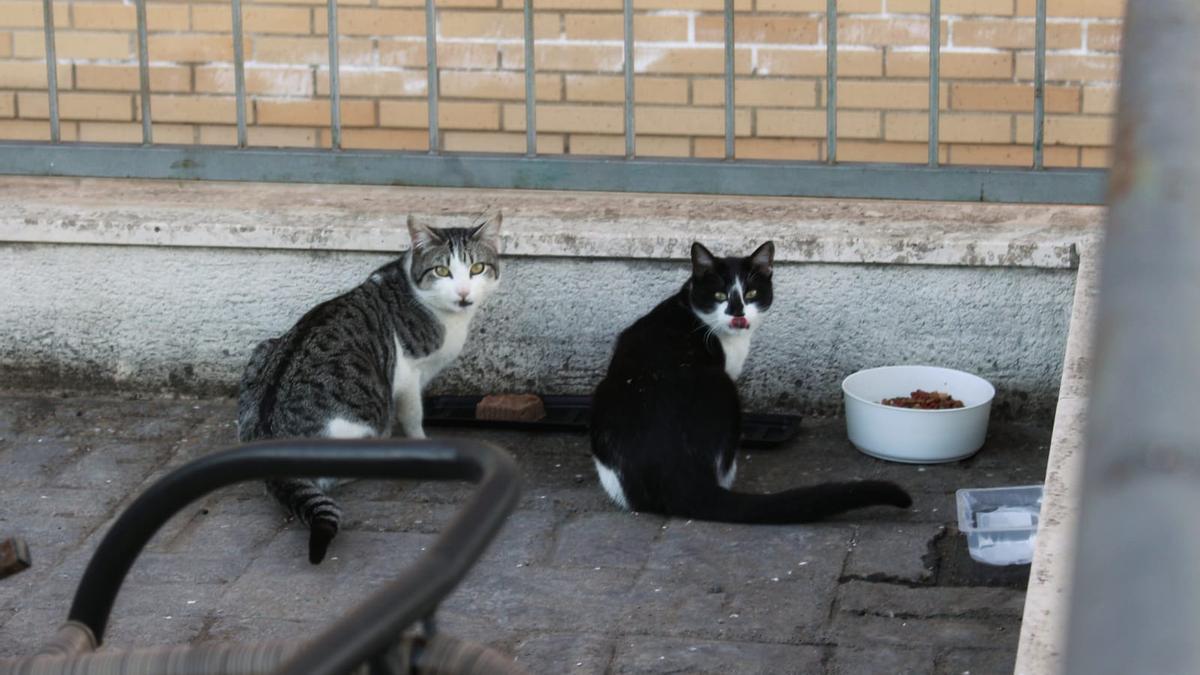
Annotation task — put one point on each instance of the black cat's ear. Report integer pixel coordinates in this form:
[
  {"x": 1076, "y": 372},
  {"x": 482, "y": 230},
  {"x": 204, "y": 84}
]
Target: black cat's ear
[
  {"x": 702, "y": 260},
  {"x": 488, "y": 232},
  {"x": 421, "y": 235},
  {"x": 763, "y": 257}
]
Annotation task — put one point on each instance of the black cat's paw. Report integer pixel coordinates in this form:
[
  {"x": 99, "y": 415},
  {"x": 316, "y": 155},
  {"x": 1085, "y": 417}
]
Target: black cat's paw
[{"x": 321, "y": 532}]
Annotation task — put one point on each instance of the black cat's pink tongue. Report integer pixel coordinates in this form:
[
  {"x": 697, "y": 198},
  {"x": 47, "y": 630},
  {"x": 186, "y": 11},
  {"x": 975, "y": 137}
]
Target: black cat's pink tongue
[{"x": 739, "y": 322}]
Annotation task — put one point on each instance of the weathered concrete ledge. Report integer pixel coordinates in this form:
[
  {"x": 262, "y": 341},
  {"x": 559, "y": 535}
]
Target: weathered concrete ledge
[{"x": 539, "y": 224}]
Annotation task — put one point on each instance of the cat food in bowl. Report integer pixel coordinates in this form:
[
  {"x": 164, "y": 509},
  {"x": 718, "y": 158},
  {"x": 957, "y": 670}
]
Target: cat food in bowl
[{"x": 930, "y": 429}]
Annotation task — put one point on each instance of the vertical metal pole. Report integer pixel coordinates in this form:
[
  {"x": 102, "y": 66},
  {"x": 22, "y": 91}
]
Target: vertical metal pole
[
  {"x": 431, "y": 64},
  {"x": 530, "y": 85},
  {"x": 144, "y": 74},
  {"x": 1039, "y": 85},
  {"x": 935, "y": 62},
  {"x": 729, "y": 79},
  {"x": 1135, "y": 605},
  {"x": 335, "y": 93},
  {"x": 831, "y": 81},
  {"x": 630, "y": 137},
  {"x": 239, "y": 73},
  {"x": 51, "y": 68}
]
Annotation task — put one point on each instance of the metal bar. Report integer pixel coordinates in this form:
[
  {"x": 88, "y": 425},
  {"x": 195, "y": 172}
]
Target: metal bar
[
  {"x": 831, "y": 81},
  {"x": 530, "y": 85},
  {"x": 692, "y": 176},
  {"x": 51, "y": 68},
  {"x": 431, "y": 63},
  {"x": 630, "y": 132},
  {"x": 144, "y": 73},
  {"x": 239, "y": 73},
  {"x": 729, "y": 80},
  {"x": 335, "y": 93},
  {"x": 1039, "y": 85},
  {"x": 935, "y": 62},
  {"x": 1135, "y": 605}
]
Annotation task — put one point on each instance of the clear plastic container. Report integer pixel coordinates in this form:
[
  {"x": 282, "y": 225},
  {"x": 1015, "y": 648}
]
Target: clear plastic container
[{"x": 1000, "y": 523}]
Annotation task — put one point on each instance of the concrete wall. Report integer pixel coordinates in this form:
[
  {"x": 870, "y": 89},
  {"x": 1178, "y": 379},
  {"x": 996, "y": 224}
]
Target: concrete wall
[{"x": 186, "y": 319}]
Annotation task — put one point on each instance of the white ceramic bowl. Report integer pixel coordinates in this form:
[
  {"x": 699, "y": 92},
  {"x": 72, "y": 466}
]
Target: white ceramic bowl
[{"x": 912, "y": 435}]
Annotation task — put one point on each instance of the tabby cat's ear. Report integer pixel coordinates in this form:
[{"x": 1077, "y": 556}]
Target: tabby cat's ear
[
  {"x": 421, "y": 235},
  {"x": 488, "y": 232},
  {"x": 702, "y": 260},
  {"x": 763, "y": 257}
]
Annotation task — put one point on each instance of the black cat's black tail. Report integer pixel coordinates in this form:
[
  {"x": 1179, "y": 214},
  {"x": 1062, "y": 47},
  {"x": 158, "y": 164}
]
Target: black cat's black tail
[
  {"x": 798, "y": 505},
  {"x": 304, "y": 499}
]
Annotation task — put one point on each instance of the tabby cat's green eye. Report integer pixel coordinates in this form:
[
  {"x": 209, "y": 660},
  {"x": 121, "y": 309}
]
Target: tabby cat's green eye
[
  {"x": 750, "y": 295},
  {"x": 721, "y": 297},
  {"x": 442, "y": 271},
  {"x": 477, "y": 268}
]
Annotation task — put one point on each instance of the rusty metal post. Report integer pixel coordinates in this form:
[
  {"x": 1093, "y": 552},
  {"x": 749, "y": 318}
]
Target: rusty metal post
[{"x": 1135, "y": 605}]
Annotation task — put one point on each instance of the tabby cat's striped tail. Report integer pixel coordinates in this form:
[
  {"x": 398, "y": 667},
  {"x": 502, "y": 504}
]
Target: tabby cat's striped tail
[{"x": 308, "y": 502}]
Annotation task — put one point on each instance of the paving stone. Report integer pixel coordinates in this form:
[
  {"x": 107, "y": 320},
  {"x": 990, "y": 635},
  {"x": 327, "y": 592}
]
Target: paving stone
[
  {"x": 875, "y": 661},
  {"x": 976, "y": 662},
  {"x": 870, "y": 630},
  {"x": 615, "y": 539},
  {"x": 27, "y": 461},
  {"x": 891, "y": 600},
  {"x": 564, "y": 653},
  {"x": 664, "y": 655},
  {"x": 892, "y": 552}
]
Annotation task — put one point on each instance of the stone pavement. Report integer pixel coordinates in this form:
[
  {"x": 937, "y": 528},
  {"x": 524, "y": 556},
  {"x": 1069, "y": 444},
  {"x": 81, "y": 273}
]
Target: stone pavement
[{"x": 571, "y": 586}]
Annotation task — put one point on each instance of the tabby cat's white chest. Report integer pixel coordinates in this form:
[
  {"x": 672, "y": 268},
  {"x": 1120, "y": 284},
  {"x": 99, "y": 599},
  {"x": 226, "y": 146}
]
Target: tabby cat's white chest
[
  {"x": 736, "y": 348},
  {"x": 456, "y": 326}
]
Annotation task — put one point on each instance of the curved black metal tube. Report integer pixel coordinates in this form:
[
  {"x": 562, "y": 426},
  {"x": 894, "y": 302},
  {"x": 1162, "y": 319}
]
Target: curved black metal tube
[{"x": 380, "y": 619}]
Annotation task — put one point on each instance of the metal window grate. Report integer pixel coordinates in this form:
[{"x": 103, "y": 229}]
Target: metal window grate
[{"x": 631, "y": 173}]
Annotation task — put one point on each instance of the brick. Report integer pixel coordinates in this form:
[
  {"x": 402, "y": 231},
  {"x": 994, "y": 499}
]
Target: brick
[
  {"x": 276, "y": 81},
  {"x": 1095, "y": 158},
  {"x": 811, "y": 123},
  {"x": 674, "y": 5},
  {"x": 383, "y": 139},
  {"x": 509, "y": 25},
  {"x": 568, "y": 118},
  {"x": 297, "y": 50},
  {"x": 612, "y": 27},
  {"x": 371, "y": 21},
  {"x": 881, "y": 151},
  {"x": 850, "y": 63},
  {"x": 611, "y": 89},
  {"x": 313, "y": 113},
  {"x": 844, "y": 6},
  {"x": 255, "y": 19},
  {"x": 450, "y": 55},
  {"x": 963, "y": 65},
  {"x": 1011, "y": 97},
  {"x": 887, "y": 31},
  {"x": 759, "y": 30},
  {"x": 954, "y": 7},
  {"x": 374, "y": 83},
  {"x": 755, "y": 92},
  {"x": 688, "y": 60},
  {"x": 6, "y": 44},
  {"x": 500, "y": 85},
  {"x": 197, "y": 109},
  {"x": 1095, "y": 9},
  {"x": 8, "y": 104},
  {"x": 126, "y": 78},
  {"x": 261, "y": 137},
  {"x": 1015, "y": 33},
  {"x": 1104, "y": 37},
  {"x": 584, "y": 144},
  {"x": 77, "y": 106},
  {"x": 451, "y": 115},
  {"x": 477, "y": 141},
  {"x": 69, "y": 44},
  {"x": 762, "y": 148},
  {"x": 27, "y": 130},
  {"x": 1100, "y": 100},
  {"x": 886, "y": 95},
  {"x": 568, "y": 57},
  {"x": 952, "y": 127},
  {"x": 131, "y": 132},
  {"x": 32, "y": 75},
  {"x": 1068, "y": 130},
  {"x": 1009, "y": 155},
  {"x": 1072, "y": 68},
  {"x": 677, "y": 121},
  {"x": 29, "y": 15},
  {"x": 192, "y": 48},
  {"x": 482, "y": 4},
  {"x": 117, "y": 16}
]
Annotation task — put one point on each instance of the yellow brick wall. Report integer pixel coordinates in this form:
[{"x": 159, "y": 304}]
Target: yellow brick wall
[{"x": 986, "y": 91}]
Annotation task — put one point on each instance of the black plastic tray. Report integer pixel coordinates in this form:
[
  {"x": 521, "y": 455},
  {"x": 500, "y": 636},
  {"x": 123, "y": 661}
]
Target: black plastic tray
[{"x": 571, "y": 413}]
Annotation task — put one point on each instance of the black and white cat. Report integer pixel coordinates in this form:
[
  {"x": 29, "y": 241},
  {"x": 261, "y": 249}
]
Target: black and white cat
[
  {"x": 348, "y": 363},
  {"x": 666, "y": 418}
]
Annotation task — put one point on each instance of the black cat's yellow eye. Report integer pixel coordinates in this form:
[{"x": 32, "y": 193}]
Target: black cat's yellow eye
[
  {"x": 442, "y": 271},
  {"x": 477, "y": 268},
  {"x": 721, "y": 297},
  {"x": 750, "y": 295}
]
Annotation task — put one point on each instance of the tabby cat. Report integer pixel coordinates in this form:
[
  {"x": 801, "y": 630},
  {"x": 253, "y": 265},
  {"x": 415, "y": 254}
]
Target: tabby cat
[
  {"x": 666, "y": 418},
  {"x": 350, "y": 361}
]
